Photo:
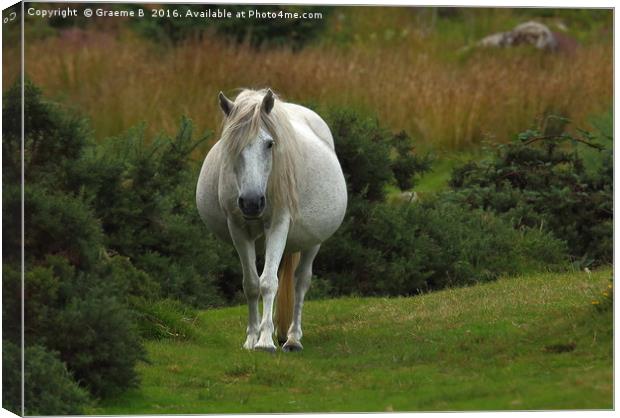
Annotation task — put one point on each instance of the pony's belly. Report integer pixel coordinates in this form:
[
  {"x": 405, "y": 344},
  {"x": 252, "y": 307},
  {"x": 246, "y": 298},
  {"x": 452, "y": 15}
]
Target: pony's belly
[
  {"x": 321, "y": 214},
  {"x": 299, "y": 242},
  {"x": 207, "y": 196},
  {"x": 303, "y": 236}
]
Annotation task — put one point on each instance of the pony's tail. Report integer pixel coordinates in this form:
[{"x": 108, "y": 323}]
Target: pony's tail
[{"x": 285, "y": 297}]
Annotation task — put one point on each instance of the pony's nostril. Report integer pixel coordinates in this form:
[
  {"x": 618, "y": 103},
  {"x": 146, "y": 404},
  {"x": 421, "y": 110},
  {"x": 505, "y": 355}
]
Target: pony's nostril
[{"x": 252, "y": 205}]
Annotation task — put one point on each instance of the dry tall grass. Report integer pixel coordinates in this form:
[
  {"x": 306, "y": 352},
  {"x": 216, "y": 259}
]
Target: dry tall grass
[{"x": 444, "y": 103}]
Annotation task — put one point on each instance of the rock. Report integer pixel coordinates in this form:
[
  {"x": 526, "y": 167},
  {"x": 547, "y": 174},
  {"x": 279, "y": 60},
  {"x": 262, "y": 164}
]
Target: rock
[
  {"x": 565, "y": 43},
  {"x": 528, "y": 33},
  {"x": 497, "y": 39},
  {"x": 534, "y": 33}
]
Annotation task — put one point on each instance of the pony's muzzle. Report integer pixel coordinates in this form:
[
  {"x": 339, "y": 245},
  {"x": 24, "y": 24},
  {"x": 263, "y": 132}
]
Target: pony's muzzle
[{"x": 251, "y": 206}]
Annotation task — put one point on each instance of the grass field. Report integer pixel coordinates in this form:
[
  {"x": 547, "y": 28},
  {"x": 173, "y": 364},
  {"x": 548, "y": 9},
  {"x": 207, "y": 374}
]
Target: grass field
[
  {"x": 404, "y": 65},
  {"x": 535, "y": 342}
]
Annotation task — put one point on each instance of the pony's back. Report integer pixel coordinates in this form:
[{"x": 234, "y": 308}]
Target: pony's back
[{"x": 300, "y": 115}]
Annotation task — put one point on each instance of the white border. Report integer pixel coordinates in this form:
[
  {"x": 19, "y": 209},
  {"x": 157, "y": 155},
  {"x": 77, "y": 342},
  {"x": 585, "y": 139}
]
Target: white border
[{"x": 462, "y": 3}]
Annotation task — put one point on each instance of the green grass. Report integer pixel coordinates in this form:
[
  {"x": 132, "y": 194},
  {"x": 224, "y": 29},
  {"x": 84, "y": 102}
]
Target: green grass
[
  {"x": 534, "y": 342},
  {"x": 437, "y": 179}
]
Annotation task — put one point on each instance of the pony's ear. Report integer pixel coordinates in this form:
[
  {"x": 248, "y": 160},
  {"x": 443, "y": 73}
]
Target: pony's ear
[
  {"x": 225, "y": 103},
  {"x": 268, "y": 102}
]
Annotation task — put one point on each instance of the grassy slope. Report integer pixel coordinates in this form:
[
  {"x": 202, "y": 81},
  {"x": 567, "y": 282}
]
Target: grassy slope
[{"x": 519, "y": 343}]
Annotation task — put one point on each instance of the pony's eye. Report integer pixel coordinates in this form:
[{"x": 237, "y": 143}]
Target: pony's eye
[{"x": 269, "y": 144}]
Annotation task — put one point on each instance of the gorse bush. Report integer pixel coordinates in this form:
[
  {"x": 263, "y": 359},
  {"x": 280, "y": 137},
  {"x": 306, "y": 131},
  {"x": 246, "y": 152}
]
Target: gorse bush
[
  {"x": 407, "y": 248},
  {"x": 109, "y": 230},
  {"x": 541, "y": 181},
  {"x": 98, "y": 298},
  {"x": 49, "y": 388},
  {"x": 129, "y": 197},
  {"x": 144, "y": 195},
  {"x": 11, "y": 372},
  {"x": 372, "y": 157},
  {"x": 102, "y": 356},
  {"x": 402, "y": 249}
]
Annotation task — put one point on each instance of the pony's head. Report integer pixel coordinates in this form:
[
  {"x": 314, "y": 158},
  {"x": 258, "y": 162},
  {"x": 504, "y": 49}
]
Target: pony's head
[{"x": 259, "y": 143}]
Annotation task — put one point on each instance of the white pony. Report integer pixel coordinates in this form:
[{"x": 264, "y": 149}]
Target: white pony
[{"x": 272, "y": 183}]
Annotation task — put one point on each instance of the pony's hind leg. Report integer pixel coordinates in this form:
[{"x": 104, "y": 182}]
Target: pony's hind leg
[{"x": 303, "y": 275}]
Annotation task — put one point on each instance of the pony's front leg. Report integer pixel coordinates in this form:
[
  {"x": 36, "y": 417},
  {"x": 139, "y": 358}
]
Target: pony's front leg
[
  {"x": 275, "y": 241},
  {"x": 247, "y": 254}
]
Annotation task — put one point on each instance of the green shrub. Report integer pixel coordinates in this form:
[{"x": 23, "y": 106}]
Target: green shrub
[
  {"x": 409, "y": 248},
  {"x": 53, "y": 138},
  {"x": 11, "y": 303},
  {"x": 59, "y": 223},
  {"x": 541, "y": 181},
  {"x": 77, "y": 298},
  {"x": 144, "y": 195},
  {"x": 110, "y": 229},
  {"x": 85, "y": 317},
  {"x": 128, "y": 196},
  {"x": 49, "y": 387},
  {"x": 405, "y": 248},
  {"x": 82, "y": 317},
  {"x": 98, "y": 339},
  {"x": 372, "y": 157},
  {"x": 55, "y": 221},
  {"x": 11, "y": 221},
  {"x": 11, "y": 376}
]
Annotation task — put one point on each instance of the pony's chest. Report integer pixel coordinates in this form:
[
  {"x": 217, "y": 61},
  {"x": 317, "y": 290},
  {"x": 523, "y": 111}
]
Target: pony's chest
[{"x": 255, "y": 229}]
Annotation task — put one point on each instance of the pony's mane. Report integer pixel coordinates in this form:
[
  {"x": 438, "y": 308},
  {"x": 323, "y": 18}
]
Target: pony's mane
[{"x": 242, "y": 125}]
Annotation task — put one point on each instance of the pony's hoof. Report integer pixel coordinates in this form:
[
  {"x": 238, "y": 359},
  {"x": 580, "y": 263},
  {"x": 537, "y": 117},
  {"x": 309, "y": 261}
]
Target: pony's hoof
[
  {"x": 250, "y": 342},
  {"x": 292, "y": 346},
  {"x": 268, "y": 348}
]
